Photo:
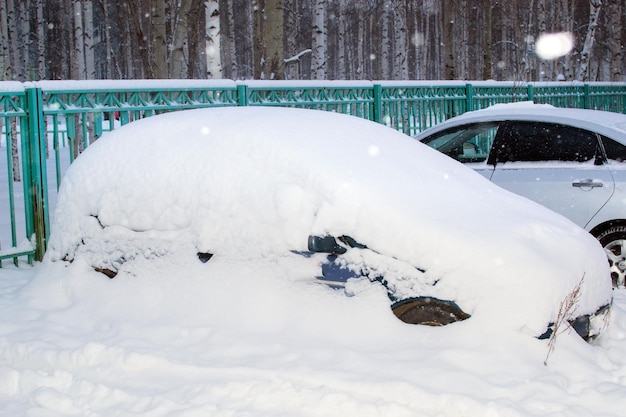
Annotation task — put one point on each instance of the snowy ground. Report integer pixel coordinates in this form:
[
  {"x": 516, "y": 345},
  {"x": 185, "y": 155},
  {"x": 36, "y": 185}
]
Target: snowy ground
[
  {"x": 81, "y": 345},
  {"x": 186, "y": 341}
]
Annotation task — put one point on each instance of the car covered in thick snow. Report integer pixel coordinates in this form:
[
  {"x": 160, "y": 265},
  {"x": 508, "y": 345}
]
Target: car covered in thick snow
[
  {"x": 572, "y": 161},
  {"x": 326, "y": 198}
]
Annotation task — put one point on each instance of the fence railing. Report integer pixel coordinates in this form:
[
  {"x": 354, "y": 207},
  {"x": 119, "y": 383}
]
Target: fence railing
[{"x": 45, "y": 125}]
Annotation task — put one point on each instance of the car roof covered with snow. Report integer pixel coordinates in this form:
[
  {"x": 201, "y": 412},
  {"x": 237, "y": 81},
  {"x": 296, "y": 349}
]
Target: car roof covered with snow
[
  {"x": 606, "y": 123},
  {"x": 253, "y": 183}
]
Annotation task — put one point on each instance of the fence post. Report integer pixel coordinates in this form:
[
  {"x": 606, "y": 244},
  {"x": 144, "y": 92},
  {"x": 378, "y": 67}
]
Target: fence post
[
  {"x": 34, "y": 163},
  {"x": 531, "y": 92},
  {"x": 469, "y": 97},
  {"x": 242, "y": 95},
  {"x": 378, "y": 103},
  {"x": 587, "y": 96}
]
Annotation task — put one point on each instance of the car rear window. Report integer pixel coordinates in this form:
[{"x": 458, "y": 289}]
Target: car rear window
[{"x": 615, "y": 151}]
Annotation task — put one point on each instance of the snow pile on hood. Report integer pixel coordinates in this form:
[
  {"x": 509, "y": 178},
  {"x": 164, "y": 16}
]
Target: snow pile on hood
[{"x": 248, "y": 184}]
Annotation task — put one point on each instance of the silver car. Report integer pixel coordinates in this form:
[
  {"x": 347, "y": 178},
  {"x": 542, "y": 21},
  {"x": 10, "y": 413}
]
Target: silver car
[{"x": 572, "y": 161}]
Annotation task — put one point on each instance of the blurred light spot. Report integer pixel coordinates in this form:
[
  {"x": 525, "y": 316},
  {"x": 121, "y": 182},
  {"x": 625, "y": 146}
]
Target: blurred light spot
[
  {"x": 373, "y": 150},
  {"x": 211, "y": 50},
  {"x": 554, "y": 45},
  {"x": 417, "y": 39},
  {"x": 205, "y": 130}
]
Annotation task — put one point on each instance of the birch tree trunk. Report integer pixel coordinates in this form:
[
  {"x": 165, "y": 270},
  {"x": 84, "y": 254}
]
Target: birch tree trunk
[
  {"x": 401, "y": 44},
  {"x": 15, "y": 154},
  {"x": 341, "y": 72},
  {"x": 566, "y": 20},
  {"x": 449, "y": 55},
  {"x": 87, "y": 42},
  {"x": 26, "y": 68},
  {"x": 196, "y": 41},
  {"x": 292, "y": 59},
  {"x": 77, "y": 69},
  {"x": 227, "y": 47},
  {"x": 4, "y": 42},
  {"x": 318, "y": 56},
  {"x": 244, "y": 38},
  {"x": 361, "y": 54},
  {"x": 159, "y": 40},
  {"x": 213, "y": 39},
  {"x": 41, "y": 55},
  {"x": 178, "y": 61},
  {"x": 594, "y": 13},
  {"x": 79, "y": 42},
  {"x": 305, "y": 40},
  {"x": 125, "y": 58},
  {"x": 41, "y": 43},
  {"x": 139, "y": 45},
  {"x": 487, "y": 40},
  {"x": 14, "y": 56},
  {"x": 429, "y": 25},
  {"x": 415, "y": 37},
  {"x": 529, "y": 46},
  {"x": 90, "y": 61},
  {"x": 616, "y": 54},
  {"x": 517, "y": 60},
  {"x": 461, "y": 35},
  {"x": 107, "y": 37},
  {"x": 385, "y": 52},
  {"x": 269, "y": 30},
  {"x": 13, "y": 74},
  {"x": 541, "y": 30}
]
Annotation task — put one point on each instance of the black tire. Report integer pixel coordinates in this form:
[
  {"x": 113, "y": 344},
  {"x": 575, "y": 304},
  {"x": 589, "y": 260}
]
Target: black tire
[
  {"x": 613, "y": 240},
  {"x": 428, "y": 311}
]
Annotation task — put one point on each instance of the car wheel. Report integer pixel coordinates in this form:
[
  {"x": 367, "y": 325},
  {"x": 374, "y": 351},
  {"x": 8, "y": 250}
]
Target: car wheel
[
  {"x": 613, "y": 240},
  {"x": 428, "y": 311}
]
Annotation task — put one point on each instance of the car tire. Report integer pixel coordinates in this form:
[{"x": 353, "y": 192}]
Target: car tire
[
  {"x": 613, "y": 240},
  {"x": 428, "y": 311}
]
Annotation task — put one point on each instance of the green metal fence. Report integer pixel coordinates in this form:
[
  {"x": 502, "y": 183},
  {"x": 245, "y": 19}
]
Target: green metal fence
[{"x": 51, "y": 122}]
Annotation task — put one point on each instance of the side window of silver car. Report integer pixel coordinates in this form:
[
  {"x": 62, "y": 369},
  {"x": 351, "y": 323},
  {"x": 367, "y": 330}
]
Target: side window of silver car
[{"x": 533, "y": 141}]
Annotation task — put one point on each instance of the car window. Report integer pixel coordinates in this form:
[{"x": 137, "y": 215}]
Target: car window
[
  {"x": 534, "y": 141},
  {"x": 614, "y": 150},
  {"x": 468, "y": 143}
]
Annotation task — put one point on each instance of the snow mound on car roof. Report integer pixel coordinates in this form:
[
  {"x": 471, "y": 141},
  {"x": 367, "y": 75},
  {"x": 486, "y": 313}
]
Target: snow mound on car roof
[
  {"x": 247, "y": 183},
  {"x": 518, "y": 105}
]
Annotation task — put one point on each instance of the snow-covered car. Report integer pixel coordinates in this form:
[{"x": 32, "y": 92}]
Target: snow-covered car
[
  {"x": 572, "y": 161},
  {"x": 319, "y": 197}
]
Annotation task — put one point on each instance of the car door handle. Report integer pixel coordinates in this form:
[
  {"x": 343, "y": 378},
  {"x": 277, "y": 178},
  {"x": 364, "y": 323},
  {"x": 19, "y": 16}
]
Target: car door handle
[{"x": 587, "y": 184}]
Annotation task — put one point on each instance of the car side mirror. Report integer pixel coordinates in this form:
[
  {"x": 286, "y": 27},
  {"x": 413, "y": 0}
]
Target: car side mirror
[{"x": 325, "y": 244}]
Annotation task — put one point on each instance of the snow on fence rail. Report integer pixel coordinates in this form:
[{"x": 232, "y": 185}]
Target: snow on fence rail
[{"x": 46, "y": 124}]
